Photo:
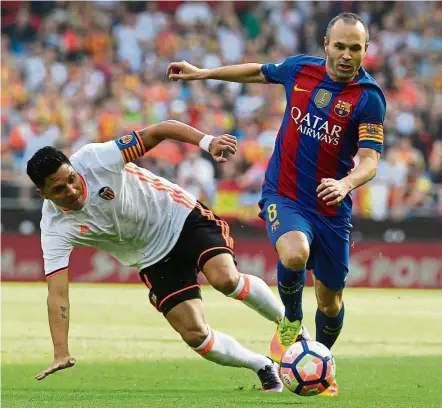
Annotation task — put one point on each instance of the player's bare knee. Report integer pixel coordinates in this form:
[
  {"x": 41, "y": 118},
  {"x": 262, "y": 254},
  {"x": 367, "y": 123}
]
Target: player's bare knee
[
  {"x": 226, "y": 282},
  {"x": 223, "y": 276},
  {"x": 294, "y": 260},
  {"x": 330, "y": 308},
  {"x": 293, "y": 250},
  {"x": 195, "y": 336}
]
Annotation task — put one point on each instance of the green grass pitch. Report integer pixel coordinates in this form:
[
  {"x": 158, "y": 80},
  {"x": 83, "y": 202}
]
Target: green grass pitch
[{"x": 389, "y": 353}]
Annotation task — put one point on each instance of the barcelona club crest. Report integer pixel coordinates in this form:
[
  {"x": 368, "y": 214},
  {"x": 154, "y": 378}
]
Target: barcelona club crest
[
  {"x": 322, "y": 98},
  {"x": 342, "y": 108},
  {"x": 106, "y": 193},
  {"x": 372, "y": 129},
  {"x": 275, "y": 226}
]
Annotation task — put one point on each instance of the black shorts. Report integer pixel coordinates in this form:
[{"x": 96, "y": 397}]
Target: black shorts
[{"x": 174, "y": 279}]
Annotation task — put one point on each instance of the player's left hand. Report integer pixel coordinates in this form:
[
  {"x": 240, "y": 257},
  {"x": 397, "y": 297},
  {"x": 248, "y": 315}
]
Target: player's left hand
[
  {"x": 221, "y": 144},
  {"x": 332, "y": 191}
]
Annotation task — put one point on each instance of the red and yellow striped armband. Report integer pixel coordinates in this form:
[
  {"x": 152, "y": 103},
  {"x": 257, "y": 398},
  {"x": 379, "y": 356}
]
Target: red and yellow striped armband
[
  {"x": 371, "y": 133},
  {"x": 131, "y": 146}
]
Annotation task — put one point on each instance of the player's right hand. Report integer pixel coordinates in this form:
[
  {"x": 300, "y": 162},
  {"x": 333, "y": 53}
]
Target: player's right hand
[
  {"x": 183, "y": 70},
  {"x": 59, "y": 363},
  {"x": 221, "y": 144}
]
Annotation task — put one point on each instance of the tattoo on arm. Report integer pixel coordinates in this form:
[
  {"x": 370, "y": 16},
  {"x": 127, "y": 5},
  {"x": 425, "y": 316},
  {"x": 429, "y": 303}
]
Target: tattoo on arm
[
  {"x": 63, "y": 316},
  {"x": 63, "y": 309}
]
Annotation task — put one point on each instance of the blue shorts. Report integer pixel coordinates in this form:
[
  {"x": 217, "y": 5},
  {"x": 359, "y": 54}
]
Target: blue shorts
[{"x": 329, "y": 237}]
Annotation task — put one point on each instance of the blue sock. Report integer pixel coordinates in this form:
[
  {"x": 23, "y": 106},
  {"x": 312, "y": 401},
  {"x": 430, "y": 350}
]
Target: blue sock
[
  {"x": 290, "y": 287},
  {"x": 328, "y": 328}
]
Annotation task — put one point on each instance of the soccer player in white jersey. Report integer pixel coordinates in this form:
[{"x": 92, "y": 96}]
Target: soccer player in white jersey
[{"x": 99, "y": 198}]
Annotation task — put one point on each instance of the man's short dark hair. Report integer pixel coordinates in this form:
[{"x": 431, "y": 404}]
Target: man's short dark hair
[
  {"x": 347, "y": 18},
  {"x": 43, "y": 163}
]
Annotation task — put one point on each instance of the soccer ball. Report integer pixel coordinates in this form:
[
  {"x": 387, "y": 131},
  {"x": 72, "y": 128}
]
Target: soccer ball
[{"x": 307, "y": 368}]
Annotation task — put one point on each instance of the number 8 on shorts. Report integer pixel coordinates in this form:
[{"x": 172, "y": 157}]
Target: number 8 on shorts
[{"x": 273, "y": 213}]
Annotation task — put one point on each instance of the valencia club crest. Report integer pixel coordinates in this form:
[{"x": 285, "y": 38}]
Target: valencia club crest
[{"x": 106, "y": 193}]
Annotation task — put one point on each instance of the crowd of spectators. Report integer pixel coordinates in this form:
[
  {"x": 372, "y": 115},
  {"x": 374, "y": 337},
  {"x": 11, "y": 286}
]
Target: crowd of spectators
[{"x": 78, "y": 72}]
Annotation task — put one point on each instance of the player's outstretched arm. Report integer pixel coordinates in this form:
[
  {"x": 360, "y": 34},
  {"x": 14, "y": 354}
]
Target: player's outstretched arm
[
  {"x": 58, "y": 314},
  {"x": 172, "y": 129},
  {"x": 246, "y": 73}
]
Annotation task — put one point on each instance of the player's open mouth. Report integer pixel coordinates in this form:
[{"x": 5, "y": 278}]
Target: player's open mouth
[
  {"x": 345, "y": 67},
  {"x": 75, "y": 201}
]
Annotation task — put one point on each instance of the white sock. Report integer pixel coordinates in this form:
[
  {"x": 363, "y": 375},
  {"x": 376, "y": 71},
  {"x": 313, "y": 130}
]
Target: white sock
[
  {"x": 225, "y": 350},
  {"x": 255, "y": 293}
]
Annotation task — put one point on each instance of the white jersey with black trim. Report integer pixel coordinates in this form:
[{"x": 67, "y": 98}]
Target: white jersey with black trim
[{"x": 129, "y": 212}]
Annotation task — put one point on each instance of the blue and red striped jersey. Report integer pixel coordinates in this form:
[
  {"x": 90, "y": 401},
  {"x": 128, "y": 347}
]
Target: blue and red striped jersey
[{"x": 324, "y": 125}]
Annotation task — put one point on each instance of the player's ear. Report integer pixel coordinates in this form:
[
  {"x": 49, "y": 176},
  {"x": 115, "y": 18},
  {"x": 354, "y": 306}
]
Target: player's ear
[
  {"x": 366, "y": 46},
  {"x": 40, "y": 193},
  {"x": 326, "y": 42}
]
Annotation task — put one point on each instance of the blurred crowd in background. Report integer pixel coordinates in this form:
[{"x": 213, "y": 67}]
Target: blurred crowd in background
[{"x": 80, "y": 72}]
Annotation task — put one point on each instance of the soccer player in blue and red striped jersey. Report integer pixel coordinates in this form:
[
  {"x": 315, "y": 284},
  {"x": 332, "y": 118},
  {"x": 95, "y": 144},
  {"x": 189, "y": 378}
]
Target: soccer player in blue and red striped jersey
[{"x": 334, "y": 110}]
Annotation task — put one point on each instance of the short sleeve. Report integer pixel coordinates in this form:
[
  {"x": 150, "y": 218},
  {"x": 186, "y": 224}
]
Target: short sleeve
[
  {"x": 371, "y": 129},
  {"x": 56, "y": 252},
  {"x": 112, "y": 155},
  {"x": 279, "y": 73}
]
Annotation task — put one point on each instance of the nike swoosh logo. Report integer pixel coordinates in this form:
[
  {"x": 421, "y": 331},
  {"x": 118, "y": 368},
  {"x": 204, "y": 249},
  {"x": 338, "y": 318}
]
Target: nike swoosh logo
[
  {"x": 290, "y": 290},
  {"x": 296, "y": 88}
]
